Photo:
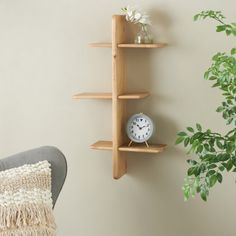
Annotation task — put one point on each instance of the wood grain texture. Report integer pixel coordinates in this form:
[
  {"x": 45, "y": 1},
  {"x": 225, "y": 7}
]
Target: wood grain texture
[
  {"x": 119, "y": 97},
  {"x": 132, "y": 45},
  {"x": 100, "y": 45},
  {"x": 139, "y": 95},
  {"x": 126, "y": 96},
  {"x": 93, "y": 96},
  {"x": 153, "y": 148},
  {"x": 102, "y": 145},
  {"x": 107, "y": 145},
  {"x": 128, "y": 45},
  {"x": 118, "y": 88}
]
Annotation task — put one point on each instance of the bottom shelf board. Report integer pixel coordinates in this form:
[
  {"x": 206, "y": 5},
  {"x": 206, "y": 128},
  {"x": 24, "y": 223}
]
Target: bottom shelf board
[
  {"x": 153, "y": 148},
  {"x": 107, "y": 145}
]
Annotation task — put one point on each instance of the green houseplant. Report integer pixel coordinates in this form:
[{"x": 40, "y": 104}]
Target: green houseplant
[{"x": 215, "y": 153}]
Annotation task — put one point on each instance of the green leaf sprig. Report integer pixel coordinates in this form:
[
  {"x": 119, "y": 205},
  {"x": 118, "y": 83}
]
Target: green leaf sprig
[
  {"x": 216, "y": 153},
  {"x": 229, "y": 29}
]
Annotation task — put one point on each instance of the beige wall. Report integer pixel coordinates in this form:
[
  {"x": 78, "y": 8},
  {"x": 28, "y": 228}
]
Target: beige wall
[{"x": 44, "y": 60}]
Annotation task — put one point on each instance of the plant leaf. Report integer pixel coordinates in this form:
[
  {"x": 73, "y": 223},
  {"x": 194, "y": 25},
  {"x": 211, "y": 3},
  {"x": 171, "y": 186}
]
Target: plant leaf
[
  {"x": 213, "y": 179},
  {"x": 179, "y": 140},
  {"x": 203, "y": 195},
  {"x": 199, "y": 127},
  {"x": 190, "y": 129},
  {"x": 219, "y": 177}
]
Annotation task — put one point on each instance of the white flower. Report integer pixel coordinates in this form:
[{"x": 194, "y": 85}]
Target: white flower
[
  {"x": 145, "y": 20},
  {"x": 135, "y": 16}
]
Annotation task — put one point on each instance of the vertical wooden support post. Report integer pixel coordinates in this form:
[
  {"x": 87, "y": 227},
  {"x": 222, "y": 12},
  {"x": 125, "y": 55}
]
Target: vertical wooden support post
[{"x": 118, "y": 88}]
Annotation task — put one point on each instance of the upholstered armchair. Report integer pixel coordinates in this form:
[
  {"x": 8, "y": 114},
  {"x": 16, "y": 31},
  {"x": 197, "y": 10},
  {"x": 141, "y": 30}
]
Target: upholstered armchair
[{"x": 54, "y": 156}]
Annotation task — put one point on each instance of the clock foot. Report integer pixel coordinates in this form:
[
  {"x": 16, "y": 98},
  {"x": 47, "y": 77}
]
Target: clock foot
[
  {"x": 146, "y": 144},
  {"x": 130, "y": 143}
]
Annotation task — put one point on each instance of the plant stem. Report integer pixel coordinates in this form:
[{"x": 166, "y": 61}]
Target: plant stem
[{"x": 217, "y": 19}]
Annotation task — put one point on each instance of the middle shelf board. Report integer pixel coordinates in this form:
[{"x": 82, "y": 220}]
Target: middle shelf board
[
  {"x": 93, "y": 96},
  {"x": 102, "y": 145},
  {"x": 107, "y": 145},
  {"x": 127, "y": 96}
]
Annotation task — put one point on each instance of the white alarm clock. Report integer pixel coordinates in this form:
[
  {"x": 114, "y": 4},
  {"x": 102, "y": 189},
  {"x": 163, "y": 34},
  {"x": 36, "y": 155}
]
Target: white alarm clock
[{"x": 139, "y": 128}]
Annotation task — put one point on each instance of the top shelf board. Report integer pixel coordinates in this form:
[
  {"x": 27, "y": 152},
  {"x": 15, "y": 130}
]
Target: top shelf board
[
  {"x": 100, "y": 45},
  {"x": 128, "y": 45},
  {"x": 132, "y": 45}
]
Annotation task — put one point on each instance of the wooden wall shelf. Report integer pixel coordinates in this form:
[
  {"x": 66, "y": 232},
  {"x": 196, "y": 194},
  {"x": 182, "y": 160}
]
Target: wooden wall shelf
[{"x": 118, "y": 96}]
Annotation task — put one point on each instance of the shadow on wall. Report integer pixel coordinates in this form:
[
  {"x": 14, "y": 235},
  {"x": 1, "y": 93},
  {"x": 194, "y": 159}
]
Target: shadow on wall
[
  {"x": 155, "y": 172},
  {"x": 149, "y": 168},
  {"x": 163, "y": 22},
  {"x": 161, "y": 25},
  {"x": 140, "y": 72}
]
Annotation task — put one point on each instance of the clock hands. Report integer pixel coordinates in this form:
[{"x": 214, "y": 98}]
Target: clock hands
[
  {"x": 137, "y": 125},
  {"x": 143, "y": 126},
  {"x": 140, "y": 128}
]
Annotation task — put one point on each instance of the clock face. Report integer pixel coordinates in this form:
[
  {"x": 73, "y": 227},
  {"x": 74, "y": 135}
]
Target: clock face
[{"x": 139, "y": 128}]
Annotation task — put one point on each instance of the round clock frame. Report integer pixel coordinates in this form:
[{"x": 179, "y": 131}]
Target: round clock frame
[{"x": 133, "y": 120}]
